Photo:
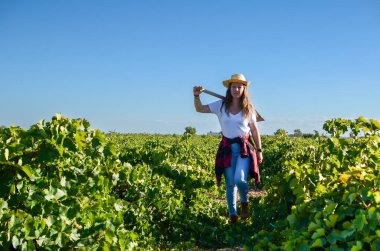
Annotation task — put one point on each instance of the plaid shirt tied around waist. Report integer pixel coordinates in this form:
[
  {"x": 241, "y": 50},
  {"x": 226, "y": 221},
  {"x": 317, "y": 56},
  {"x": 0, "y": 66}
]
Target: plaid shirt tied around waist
[{"x": 224, "y": 157}]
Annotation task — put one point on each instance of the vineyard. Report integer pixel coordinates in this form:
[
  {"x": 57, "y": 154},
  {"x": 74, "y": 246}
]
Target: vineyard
[{"x": 66, "y": 186}]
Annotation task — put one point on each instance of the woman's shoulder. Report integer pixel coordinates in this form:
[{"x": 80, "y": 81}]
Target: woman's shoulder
[
  {"x": 217, "y": 103},
  {"x": 215, "y": 106}
]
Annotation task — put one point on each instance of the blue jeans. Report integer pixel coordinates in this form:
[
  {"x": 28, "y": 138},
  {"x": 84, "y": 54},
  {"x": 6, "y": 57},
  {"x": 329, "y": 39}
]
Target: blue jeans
[{"x": 236, "y": 178}]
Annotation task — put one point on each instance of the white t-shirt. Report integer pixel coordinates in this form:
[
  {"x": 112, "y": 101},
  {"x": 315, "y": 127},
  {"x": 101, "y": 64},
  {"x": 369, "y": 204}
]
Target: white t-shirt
[{"x": 232, "y": 125}]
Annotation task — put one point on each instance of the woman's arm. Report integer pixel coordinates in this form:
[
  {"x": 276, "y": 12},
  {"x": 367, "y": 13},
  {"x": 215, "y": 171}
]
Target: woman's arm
[
  {"x": 197, "y": 90},
  {"x": 257, "y": 139}
]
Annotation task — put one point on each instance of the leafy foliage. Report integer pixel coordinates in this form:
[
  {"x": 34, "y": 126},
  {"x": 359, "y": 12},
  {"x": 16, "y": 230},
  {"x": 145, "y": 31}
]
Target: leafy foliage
[
  {"x": 66, "y": 186},
  {"x": 280, "y": 132},
  {"x": 335, "y": 188},
  {"x": 56, "y": 187}
]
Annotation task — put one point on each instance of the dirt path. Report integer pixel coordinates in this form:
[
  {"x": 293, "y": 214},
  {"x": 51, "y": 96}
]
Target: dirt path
[{"x": 255, "y": 194}]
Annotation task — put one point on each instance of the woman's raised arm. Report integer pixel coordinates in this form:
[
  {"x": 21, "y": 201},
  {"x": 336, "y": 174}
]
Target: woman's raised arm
[{"x": 197, "y": 90}]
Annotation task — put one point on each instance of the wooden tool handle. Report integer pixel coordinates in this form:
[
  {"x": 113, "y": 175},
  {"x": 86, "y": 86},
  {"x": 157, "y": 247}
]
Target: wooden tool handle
[{"x": 213, "y": 94}]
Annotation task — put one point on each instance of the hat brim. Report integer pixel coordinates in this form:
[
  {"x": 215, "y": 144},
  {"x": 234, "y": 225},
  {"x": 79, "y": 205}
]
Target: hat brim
[{"x": 227, "y": 83}]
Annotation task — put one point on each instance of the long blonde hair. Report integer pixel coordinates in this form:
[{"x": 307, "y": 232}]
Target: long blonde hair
[{"x": 245, "y": 102}]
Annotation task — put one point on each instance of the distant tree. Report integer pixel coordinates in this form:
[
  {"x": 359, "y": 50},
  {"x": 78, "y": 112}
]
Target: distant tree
[
  {"x": 307, "y": 135},
  {"x": 281, "y": 132},
  {"x": 2, "y": 127},
  {"x": 190, "y": 130},
  {"x": 316, "y": 133},
  {"x": 297, "y": 133},
  {"x": 211, "y": 133}
]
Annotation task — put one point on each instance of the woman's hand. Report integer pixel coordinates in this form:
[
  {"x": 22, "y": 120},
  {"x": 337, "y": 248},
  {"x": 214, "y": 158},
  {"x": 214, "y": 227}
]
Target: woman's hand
[
  {"x": 259, "y": 157},
  {"x": 197, "y": 90},
  {"x": 197, "y": 101}
]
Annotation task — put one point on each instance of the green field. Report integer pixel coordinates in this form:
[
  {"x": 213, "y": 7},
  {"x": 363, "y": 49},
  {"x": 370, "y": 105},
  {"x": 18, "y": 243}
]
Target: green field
[{"x": 66, "y": 186}]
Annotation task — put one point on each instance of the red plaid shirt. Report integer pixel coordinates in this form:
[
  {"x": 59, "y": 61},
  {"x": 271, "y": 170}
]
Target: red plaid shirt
[{"x": 224, "y": 157}]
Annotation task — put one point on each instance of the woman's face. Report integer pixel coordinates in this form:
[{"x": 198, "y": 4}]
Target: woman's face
[{"x": 237, "y": 90}]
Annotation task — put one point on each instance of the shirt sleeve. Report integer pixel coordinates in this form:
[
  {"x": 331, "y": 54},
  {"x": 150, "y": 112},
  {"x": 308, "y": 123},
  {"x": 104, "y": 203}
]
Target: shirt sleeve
[
  {"x": 253, "y": 117},
  {"x": 215, "y": 106}
]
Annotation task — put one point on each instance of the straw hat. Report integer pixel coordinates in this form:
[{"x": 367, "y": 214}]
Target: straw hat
[{"x": 236, "y": 78}]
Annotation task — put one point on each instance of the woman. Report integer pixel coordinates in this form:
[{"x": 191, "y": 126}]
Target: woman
[{"x": 236, "y": 157}]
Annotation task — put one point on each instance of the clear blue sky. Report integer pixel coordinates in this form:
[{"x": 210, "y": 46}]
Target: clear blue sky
[{"x": 129, "y": 66}]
